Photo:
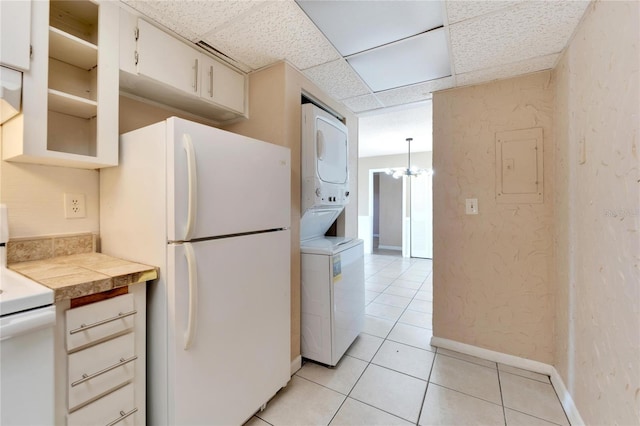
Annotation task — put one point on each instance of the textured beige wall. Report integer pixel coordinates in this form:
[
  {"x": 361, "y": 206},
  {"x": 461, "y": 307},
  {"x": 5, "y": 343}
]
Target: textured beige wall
[
  {"x": 597, "y": 216},
  {"x": 274, "y": 116},
  {"x": 492, "y": 270},
  {"x": 390, "y": 198}
]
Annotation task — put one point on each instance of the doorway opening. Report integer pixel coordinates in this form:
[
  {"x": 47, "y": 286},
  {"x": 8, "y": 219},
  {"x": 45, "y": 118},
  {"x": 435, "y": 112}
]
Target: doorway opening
[{"x": 401, "y": 215}]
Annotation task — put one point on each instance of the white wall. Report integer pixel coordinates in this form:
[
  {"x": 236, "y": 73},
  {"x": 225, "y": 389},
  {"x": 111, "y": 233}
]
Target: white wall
[{"x": 34, "y": 196}]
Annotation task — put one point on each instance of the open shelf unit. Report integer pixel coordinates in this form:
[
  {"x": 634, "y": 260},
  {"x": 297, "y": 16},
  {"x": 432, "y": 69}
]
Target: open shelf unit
[
  {"x": 70, "y": 95},
  {"x": 73, "y": 62}
]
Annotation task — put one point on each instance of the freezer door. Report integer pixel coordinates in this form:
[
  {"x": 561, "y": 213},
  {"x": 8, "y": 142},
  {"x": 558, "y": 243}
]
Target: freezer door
[
  {"x": 221, "y": 183},
  {"x": 237, "y": 305}
]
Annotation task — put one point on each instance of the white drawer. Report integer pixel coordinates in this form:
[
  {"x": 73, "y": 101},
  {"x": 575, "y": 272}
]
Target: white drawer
[
  {"x": 117, "y": 408},
  {"x": 99, "y": 369},
  {"x": 91, "y": 323}
]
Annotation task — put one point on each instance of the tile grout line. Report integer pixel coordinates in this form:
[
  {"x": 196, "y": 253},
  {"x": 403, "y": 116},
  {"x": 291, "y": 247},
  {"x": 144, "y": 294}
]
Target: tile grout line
[
  {"x": 504, "y": 414},
  {"x": 424, "y": 397}
]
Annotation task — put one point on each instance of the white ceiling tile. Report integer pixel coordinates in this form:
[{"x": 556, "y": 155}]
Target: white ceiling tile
[
  {"x": 193, "y": 18},
  {"x": 362, "y": 103},
  {"x": 355, "y": 26},
  {"x": 531, "y": 29},
  {"x": 409, "y": 61},
  {"x": 507, "y": 70},
  {"x": 338, "y": 79},
  {"x": 460, "y": 10},
  {"x": 415, "y": 93},
  {"x": 279, "y": 30}
]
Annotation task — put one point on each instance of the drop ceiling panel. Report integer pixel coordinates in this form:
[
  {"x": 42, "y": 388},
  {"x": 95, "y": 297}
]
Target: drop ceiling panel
[
  {"x": 363, "y": 103},
  {"x": 279, "y": 30},
  {"x": 409, "y": 61},
  {"x": 194, "y": 18},
  {"x": 461, "y": 10},
  {"x": 338, "y": 79},
  {"x": 415, "y": 93},
  {"x": 355, "y": 26},
  {"x": 510, "y": 35},
  {"x": 508, "y": 70}
]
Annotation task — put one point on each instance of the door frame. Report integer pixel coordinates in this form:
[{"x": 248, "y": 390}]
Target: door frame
[{"x": 406, "y": 235}]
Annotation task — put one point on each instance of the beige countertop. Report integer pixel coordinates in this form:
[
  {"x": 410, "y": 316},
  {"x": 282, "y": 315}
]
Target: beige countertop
[{"x": 84, "y": 274}]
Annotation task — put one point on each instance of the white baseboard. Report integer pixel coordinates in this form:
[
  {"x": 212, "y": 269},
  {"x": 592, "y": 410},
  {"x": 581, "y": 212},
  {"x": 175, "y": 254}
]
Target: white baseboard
[
  {"x": 380, "y": 246},
  {"x": 566, "y": 400},
  {"x": 526, "y": 364},
  {"x": 296, "y": 364}
]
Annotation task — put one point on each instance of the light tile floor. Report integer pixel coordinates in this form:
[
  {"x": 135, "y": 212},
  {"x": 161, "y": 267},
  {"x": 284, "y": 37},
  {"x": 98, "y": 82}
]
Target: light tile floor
[{"x": 391, "y": 375}]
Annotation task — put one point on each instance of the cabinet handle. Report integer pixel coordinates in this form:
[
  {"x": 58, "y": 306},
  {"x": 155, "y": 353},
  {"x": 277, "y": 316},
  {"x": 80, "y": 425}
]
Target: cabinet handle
[
  {"x": 123, "y": 416},
  {"x": 84, "y": 327},
  {"x": 195, "y": 76},
  {"x": 86, "y": 376},
  {"x": 211, "y": 81}
]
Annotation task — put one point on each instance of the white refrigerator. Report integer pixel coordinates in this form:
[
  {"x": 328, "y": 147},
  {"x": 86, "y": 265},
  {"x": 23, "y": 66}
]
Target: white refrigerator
[{"x": 212, "y": 210}]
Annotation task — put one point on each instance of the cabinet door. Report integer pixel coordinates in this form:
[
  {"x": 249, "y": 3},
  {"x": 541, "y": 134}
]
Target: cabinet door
[
  {"x": 221, "y": 84},
  {"x": 15, "y": 21},
  {"x": 166, "y": 59}
]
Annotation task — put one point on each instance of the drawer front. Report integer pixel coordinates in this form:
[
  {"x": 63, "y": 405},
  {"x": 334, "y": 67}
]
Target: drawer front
[
  {"x": 98, "y": 321},
  {"x": 100, "y": 369},
  {"x": 117, "y": 408}
]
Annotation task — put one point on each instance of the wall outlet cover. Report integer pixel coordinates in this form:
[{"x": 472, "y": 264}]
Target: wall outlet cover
[{"x": 74, "y": 206}]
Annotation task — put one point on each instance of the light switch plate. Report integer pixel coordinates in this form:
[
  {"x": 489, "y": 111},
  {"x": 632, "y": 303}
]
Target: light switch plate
[{"x": 472, "y": 206}]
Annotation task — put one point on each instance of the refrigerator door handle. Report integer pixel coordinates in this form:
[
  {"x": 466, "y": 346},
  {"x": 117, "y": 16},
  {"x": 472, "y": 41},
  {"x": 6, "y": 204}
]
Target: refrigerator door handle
[
  {"x": 192, "y": 175},
  {"x": 190, "y": 333}
]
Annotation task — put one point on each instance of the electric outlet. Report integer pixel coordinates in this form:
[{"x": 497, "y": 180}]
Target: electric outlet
[{"x": 74, "y": 206}]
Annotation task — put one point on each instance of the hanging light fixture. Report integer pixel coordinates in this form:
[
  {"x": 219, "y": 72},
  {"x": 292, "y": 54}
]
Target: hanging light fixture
[{"x": 397, "y": 173}]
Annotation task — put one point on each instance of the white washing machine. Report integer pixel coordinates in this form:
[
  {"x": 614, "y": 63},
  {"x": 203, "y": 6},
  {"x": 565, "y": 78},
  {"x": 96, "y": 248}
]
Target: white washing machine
[
  {"x": 332, "y": 268},
  {"x": 332, "y": 297}
]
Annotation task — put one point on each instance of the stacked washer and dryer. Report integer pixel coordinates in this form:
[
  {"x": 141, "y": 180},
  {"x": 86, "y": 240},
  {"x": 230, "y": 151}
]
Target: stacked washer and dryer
[{"x": 332, "y": 268}]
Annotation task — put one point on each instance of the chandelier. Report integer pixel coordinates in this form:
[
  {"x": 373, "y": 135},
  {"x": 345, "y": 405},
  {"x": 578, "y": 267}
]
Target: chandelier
[{"x": 410, "y": 170}]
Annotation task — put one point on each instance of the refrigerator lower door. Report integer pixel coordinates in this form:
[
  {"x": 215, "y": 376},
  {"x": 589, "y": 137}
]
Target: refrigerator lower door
[{"x": 229, "y": 327}]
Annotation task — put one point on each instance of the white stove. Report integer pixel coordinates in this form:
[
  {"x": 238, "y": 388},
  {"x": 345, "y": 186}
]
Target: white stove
[
  {"x": 18, "y": 293},
  {"x": 27, "y": 320}
]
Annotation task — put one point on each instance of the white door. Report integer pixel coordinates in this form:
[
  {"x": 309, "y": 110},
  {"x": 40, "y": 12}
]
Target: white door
[
  {"x": 226, "y": 183},
  {"x": 331, "y": 152},
  {"x": 166, "y": 59},
  {"x": 421, "y": 216},
  {"x": 239, "y": 352},
  {"x": 221, "y": 84}
]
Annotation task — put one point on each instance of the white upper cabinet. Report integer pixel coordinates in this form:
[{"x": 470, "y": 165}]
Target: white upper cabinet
[
  {"x": 70, "y": 93},
  {"x": 15, "y": 43},
  {"x": 221, "y": 84},
  {"x": 156, "y": 65},
  {"x": 166, "y": 59}
]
